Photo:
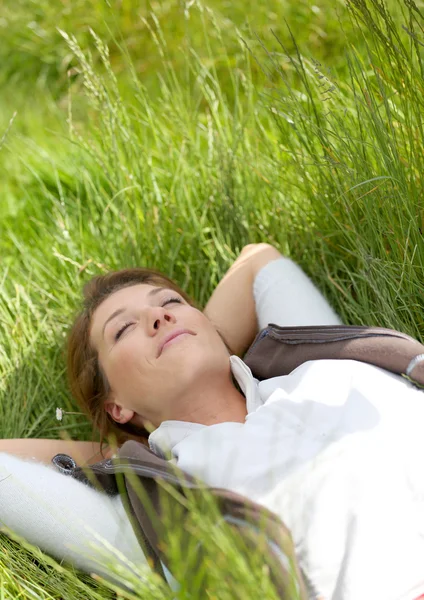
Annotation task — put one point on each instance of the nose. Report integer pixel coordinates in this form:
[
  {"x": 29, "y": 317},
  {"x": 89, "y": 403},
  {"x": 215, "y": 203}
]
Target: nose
[{"x": 157, "y": 318}]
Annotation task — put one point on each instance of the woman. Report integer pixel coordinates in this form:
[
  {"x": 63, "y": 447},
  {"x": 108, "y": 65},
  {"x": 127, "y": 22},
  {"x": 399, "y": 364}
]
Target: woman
[
  {"x": 334, "y": 448},
  {"x": 316, "y": 446},
  {"x": 67, "y": 519},
  {"x": 246, "y": 299}
]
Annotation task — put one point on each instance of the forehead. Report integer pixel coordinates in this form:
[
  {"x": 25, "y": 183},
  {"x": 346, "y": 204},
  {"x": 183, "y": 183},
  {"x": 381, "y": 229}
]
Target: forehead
[{"x": 123, "y": 298}]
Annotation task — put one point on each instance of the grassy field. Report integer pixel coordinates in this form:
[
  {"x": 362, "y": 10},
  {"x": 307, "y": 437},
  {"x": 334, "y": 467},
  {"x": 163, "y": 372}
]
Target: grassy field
[{"x": 170, "y": 135}]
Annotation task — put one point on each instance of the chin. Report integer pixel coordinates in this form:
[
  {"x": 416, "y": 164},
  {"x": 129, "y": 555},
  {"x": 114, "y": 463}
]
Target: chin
[{"x": 199, "y": 364}]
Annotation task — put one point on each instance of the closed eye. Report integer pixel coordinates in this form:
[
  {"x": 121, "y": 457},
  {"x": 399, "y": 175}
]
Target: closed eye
[
  {"x": 122, "y": 329},
  {"x": 171, "y": 300}
]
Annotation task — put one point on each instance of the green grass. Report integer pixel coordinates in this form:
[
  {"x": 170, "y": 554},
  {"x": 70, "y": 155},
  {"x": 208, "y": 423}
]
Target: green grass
[{"x": 170, "y": 137}]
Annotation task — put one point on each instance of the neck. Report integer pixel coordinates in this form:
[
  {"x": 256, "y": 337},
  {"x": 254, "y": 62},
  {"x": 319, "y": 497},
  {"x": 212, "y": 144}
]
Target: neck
[{"x": 218, "y": 402}]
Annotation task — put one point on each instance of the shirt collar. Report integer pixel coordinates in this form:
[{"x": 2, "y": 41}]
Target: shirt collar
[
  {"x": 247, "y": 383},
  {"x": 170, "y": 433}
]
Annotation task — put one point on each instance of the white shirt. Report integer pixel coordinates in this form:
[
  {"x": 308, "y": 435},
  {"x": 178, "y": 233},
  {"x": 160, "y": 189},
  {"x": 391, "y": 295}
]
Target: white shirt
[{"x": 336, "y": 449}]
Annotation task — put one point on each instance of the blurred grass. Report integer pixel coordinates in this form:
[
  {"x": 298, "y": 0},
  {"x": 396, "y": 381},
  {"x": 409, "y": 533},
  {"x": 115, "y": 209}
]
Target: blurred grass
[
  {"x": 33, "y": 48},
  {"x": 170, "y": 135}
]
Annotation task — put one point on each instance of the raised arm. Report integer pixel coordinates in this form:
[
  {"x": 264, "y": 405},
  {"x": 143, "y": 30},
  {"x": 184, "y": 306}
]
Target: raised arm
[{"x": 231, "y": 308}]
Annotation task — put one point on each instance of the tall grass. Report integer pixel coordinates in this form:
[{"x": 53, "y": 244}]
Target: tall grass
[
  {"x": 357, "y": 144},
  {"x": 313, "y": 145}
]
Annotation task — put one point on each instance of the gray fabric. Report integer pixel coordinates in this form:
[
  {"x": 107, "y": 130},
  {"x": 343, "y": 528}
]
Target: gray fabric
[{"x": 279, "y": 350}]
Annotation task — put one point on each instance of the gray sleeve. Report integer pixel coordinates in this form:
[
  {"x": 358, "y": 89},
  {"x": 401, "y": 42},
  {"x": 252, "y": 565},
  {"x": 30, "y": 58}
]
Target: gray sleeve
[
  {"x": 284, "y": 295},
  {"x": 65, "y": 518}
]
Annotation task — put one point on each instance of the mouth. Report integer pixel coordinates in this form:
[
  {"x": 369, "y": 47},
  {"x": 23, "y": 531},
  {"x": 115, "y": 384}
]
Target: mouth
[{"x": 171, "y": 337}]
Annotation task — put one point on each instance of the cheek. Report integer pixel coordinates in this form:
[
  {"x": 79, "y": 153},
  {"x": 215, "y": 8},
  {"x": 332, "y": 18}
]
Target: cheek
[
  {"x": 213, "y": 337},
  {"x": 210, "y": 348},
  {"x": 123, "y": 367}
]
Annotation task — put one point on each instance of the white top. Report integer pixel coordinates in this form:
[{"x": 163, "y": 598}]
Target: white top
[{"x": 336, "y": 449}]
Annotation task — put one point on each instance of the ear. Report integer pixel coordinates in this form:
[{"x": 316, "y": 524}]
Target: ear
[{"x": 118, "y": 413}]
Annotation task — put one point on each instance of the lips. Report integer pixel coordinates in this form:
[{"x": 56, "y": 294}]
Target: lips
[{"x": 171, "y": 336}]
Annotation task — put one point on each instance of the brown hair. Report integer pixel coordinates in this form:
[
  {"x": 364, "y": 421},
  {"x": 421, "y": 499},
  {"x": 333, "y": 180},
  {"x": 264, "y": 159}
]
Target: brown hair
[{"x": 87, "y": 382}]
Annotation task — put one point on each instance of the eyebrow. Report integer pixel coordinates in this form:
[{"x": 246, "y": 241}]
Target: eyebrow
[{"x": 119, "y": 311}]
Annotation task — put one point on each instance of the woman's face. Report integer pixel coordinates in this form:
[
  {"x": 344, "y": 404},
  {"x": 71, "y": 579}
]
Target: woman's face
[{"x": 149, "y": 382}]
